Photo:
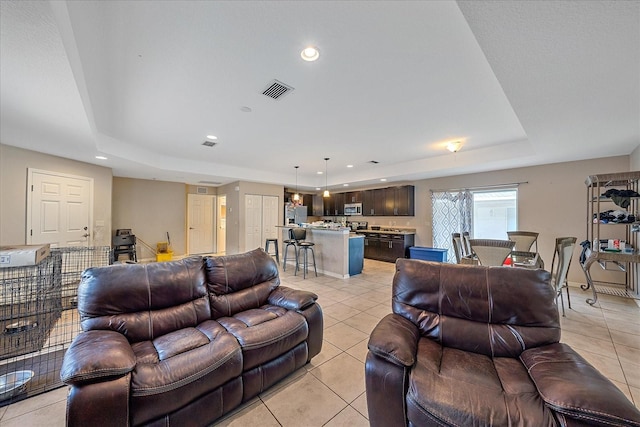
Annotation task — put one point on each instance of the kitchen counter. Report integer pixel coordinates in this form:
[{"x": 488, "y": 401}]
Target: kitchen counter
[
  {"x": 393, "y": 231},
  {"x": 337, "y": 250}
]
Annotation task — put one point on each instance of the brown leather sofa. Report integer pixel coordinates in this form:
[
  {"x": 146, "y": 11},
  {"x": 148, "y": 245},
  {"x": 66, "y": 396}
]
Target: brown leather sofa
[
  {"x": 184, "y": 342},
  {"x": 478, "y": 346}
]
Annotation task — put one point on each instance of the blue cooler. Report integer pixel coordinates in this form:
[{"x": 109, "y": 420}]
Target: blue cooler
[{"x": 428, "y": 254}]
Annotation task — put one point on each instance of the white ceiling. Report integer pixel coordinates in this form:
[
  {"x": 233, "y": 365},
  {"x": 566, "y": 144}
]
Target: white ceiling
[{"x": 143, "y": 83}]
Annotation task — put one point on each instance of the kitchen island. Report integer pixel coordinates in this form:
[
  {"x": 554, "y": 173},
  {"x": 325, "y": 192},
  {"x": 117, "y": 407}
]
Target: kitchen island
[{"x": 338, "y": 252}]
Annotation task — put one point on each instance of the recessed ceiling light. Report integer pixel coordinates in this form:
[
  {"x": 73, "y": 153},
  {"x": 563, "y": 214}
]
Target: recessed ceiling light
[
  {"x": 345, "y": 185},
  {"x": 383, "y": 179},
  {"x": 101, "y": 158},
  {"x": 212, "y": 137},
  {"x": 317, "y": 188},
  {"x": 310, "y": 53},
  {"x": 320, "y": 172},
  {"x": 349, "y": 166}
]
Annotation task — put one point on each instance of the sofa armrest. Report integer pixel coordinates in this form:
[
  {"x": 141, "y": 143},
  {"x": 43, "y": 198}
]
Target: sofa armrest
[
  {"x": 395, "y": 339},
  {"x": 97, "y": 355},
  {"x": 571, "y": 386},
  {"x": 291, "y": 299}
]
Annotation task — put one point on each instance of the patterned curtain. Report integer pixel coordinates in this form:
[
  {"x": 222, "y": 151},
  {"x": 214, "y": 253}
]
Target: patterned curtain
[{"x": 451, "y": 214}]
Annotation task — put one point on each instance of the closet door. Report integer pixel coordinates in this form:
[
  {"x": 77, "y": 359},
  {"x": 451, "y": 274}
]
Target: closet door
[
  {"x": 253, "y": 222},
  {"x": 269, "y": 217}
]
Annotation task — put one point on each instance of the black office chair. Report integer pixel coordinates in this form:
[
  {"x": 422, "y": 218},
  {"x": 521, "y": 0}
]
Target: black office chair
[{"x": 123, "y": 245}]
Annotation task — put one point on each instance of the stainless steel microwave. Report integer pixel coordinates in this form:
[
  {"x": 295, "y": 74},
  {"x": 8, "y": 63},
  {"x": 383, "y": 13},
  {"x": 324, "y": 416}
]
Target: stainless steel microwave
[{"x": 353, "y": 208}]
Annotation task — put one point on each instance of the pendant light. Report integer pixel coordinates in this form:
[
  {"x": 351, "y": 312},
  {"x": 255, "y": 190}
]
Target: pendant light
[
  {"x": 326, "y": 190},
  {"x": 296, "y": 196}
]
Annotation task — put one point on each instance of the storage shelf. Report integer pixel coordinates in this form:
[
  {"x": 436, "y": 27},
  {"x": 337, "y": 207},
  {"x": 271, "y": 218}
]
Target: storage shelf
[{"x": 625, "y": 262}]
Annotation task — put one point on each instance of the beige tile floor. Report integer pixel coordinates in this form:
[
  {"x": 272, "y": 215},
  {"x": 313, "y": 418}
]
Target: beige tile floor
[{"x": 330, "y": 390}]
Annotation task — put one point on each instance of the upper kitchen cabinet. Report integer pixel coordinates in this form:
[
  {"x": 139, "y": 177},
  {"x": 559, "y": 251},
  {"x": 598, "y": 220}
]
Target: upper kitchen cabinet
[
  {"x": 334, "y": 204},
  {"x": 317, "y": 205},
  {"x": 338, "y": 199},
  {"x": 329, "y": 205},
  {"x": 404, "y": 200},
  {"x": 353, "y": 197},
  {"x": 391, "y": 201},
  {"x": 367, "y": 203},
  {"x": 379, "y": 201}
]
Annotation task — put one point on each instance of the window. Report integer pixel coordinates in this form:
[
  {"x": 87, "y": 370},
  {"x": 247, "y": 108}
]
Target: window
[
  {"x": 485, "y": 214},
  {"x": 494, "y": 213}
]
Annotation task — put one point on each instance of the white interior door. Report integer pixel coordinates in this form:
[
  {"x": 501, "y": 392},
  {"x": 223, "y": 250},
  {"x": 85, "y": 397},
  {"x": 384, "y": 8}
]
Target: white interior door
[
  {"x": 200, "y": 223},
  {"x": 222, "y": 224},
  {"x": 253, "y": 221},
  {"x": 269, "y": 217},
  {"x": 59, "y": 209}
]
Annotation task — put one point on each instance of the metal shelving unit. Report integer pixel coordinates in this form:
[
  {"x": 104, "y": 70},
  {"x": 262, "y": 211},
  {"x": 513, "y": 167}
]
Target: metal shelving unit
[{"x": 623, "y": 261}]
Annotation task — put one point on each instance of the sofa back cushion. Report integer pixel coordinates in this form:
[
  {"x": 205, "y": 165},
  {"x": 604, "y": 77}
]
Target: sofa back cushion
[
  {"x": 496, "y": 311},
  {"x": 144, "y": 301},
  {"x": 240, "y": 282}
]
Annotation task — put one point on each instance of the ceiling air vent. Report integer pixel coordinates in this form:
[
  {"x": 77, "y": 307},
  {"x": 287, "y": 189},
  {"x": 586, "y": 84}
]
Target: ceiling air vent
[
  {"x": 209, "y": 143},
  {"x": 210, "y": 182},
  {"x": 373, "y": 162},
  {"x": 277, "y": 89}
]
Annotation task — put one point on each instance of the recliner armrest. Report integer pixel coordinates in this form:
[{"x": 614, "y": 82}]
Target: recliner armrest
[
  {"x": 97, "y": 355},
  {"x": 395, "y": 339},
  {"x": 291, "y": 299},
  {"x": 571, "y": 386}
]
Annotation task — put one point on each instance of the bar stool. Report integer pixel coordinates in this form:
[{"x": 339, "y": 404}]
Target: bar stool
[
  {"x": 289, "y": 242},
  {"x": 299, "y": 235},
  {"x": 266, "y": 248}
]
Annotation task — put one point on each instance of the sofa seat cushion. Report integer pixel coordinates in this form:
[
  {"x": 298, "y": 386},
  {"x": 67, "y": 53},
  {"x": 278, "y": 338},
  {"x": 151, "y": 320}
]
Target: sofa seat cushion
[
  {"x": 453, "y": 387},
  {"x": 266, "y": 333},
  {"x": 174, "y": 369}
]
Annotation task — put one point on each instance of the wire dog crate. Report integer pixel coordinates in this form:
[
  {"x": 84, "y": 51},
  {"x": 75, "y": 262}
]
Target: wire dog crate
[{"x": 39, "y": 319}]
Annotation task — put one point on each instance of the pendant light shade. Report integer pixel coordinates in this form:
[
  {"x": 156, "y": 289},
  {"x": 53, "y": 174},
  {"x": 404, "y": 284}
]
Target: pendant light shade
[
  {"x": 326, "y": 190},
  {"x": 296, "y": 196}
]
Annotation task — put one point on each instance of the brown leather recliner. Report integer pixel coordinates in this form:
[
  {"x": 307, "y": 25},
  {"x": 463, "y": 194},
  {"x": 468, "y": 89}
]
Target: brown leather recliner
[
  {"x": 184, "y": 342},
  {"x": 478, "y": 346}
]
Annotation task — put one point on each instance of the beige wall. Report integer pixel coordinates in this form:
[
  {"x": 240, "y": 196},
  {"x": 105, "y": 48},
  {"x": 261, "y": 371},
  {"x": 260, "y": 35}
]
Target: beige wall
[
  {"x": 193, "y": 189},
  {"x": 231, "y": 191},
  {"x": 14, "y": 163},
  {"x": 635, "y": 159},
  {"x": 151, "y": 209}
]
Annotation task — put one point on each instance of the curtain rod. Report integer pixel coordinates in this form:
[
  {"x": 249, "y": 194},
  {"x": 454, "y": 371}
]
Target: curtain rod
[{"x": 482, "y": 187}]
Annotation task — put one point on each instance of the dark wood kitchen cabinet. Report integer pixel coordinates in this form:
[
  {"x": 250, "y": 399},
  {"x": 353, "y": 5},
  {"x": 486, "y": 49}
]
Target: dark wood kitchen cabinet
[
  {"x": 367, "y": 203},
  {"x": 353, "y": 197},
  {"x": 387, "y": 247},
  {"x": 334, "y": 204},
  {"x": 378, "y": 201},
  {"x": 404, "y": 200},
  {"x": 338, "y": 202},
  {"x": 328, "y": 206},
  {"x": 371, "y": 246},
  {"x": 391, "y": 201},
  {"x": 373, "y": 202}
]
